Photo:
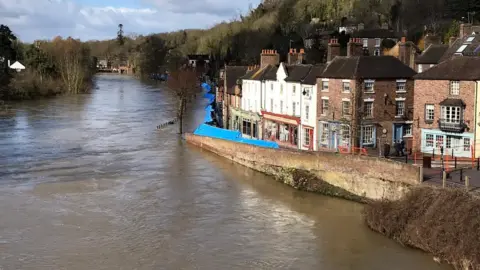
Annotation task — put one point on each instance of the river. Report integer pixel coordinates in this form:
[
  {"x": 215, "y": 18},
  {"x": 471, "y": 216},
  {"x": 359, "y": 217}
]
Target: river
[{"x": 86, "y": 182}]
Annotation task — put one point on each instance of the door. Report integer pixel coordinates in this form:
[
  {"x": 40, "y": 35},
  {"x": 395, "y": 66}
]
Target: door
[
  {"x": 310, "y": 135},
  {"x": 397, "y": 133}
]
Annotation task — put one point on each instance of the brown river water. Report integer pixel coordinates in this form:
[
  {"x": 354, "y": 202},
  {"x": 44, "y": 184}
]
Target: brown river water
[{"x": 86, "y": 182}]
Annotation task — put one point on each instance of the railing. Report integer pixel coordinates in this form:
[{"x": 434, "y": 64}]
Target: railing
[{"x": 449, "y": 126}]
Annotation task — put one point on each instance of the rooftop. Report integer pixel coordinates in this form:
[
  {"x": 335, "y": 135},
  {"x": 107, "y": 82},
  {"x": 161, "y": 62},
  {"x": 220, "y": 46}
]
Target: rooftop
[{"x": 459, "y": 68}]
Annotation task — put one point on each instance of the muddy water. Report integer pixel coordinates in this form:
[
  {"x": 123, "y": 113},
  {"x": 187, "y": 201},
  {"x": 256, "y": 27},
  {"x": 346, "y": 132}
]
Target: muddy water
[{"x": 86, "y": 182}]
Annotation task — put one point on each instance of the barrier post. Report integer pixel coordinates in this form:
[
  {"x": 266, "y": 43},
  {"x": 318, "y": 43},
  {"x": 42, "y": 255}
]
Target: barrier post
[
  {"x": 415, "y": 158},
  {"x": 455, "y": 162}
]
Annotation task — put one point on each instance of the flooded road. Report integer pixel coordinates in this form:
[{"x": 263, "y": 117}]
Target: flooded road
[{"x": 86, "y": 182}]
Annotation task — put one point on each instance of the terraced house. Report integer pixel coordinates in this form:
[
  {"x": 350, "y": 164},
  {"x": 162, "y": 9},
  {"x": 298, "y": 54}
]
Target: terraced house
[
  {"x": 231, "y": 90},
  {"x": 446, "y": 112},
  {"x": 364, "y": 101}
]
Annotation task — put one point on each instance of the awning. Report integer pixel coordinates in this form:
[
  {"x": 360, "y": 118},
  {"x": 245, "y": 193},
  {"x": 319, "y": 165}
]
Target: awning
[
  {"x": 287, "y": 119},
  {"x": 456, "y": 102}
]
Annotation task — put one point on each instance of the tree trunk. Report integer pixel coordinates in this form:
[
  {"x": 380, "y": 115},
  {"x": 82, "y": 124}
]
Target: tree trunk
[
  {"x": 181, "y": 111},
  {"x": 180, "y": 124}
]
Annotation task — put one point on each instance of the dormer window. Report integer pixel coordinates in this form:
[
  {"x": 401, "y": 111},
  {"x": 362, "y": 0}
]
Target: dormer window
[
  {"x": 454, "y": 88},
  {"x": 470, "y": 39},
  {"x": 368, "y": 86}
]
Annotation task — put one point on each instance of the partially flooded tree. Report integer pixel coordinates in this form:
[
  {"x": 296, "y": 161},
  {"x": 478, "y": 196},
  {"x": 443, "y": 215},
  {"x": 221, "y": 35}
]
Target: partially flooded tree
[{"x": 185, "y": 85}]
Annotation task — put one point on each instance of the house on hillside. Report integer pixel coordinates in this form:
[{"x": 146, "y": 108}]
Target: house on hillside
[
  {"x": 364, "y": 101},
  {"x": 406, "y": 51},
  {"x": 197, "y": 60},
  {"x": 372, "y": 38},
  {"x": 16, "y": 66},
  {"x": 430, "y": 57},
  {"x": 446, "y": 108}
]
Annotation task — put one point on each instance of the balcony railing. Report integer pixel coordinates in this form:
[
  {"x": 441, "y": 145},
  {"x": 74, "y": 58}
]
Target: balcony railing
[{"x": 449, "y": 126}]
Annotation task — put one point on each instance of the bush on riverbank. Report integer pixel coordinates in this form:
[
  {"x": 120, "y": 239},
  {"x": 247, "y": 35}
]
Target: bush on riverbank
[{"x": 443, "y": 222}]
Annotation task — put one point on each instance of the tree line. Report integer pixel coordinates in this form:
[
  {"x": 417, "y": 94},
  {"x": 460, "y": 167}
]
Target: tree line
[{"x": 59, "y": 66}]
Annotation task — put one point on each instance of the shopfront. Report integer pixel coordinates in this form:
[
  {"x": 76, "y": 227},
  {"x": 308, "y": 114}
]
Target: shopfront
[
  {"x": 282, "y": 129},
  {"x": 333, "y": 134},
  {"x": 458, "y": 144},
  {"x": 248, "y": 123}
]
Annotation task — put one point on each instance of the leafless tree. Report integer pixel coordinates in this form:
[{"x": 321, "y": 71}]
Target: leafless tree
[{"x": 184, "y": 82}]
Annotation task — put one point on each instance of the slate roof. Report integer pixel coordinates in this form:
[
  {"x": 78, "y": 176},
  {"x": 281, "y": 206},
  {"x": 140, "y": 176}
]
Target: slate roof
[
  {"x": 271, "y": 74},
  {"x": 232, "y": 74},
  {"x": 315, "y": 72},
  {"x": 376, "y": 33},
  {"x": 367, "y": 67},
  {"x": 296, "y": 73},
  {"x": 258, "y": 74},
  {"x": 460, "y": 68},
  {"x": 432, "y": 54},
  {"x": 472, "y": 49}
]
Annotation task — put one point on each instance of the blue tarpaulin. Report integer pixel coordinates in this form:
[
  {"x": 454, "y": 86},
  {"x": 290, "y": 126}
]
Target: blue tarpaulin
[
  {"x": 231, "y": 135},
  {"x": 224, "y": 134}
]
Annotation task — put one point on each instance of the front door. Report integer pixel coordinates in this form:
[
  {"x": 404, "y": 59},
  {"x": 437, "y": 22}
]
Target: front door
[{"x": 397, "y": 133}]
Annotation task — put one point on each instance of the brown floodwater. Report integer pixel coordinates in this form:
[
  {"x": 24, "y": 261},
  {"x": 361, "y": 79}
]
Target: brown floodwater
[{"x": 86, "y": 182}]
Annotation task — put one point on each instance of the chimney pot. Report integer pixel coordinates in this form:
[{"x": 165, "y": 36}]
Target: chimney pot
[{"x": 404, "y": 39}]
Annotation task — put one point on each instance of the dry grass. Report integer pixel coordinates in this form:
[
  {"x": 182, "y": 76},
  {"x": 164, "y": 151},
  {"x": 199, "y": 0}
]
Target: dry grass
[{"x": 443, "y": 222}]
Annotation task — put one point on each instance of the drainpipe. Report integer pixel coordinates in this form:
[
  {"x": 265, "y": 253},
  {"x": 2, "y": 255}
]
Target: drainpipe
[{"x": 475, "y": 120}]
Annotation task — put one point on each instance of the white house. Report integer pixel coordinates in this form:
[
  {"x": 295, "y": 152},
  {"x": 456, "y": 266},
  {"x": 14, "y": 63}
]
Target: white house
[
  {"x": 17, "y": 66},
  {"x": 308, "y": 112},
  {"x": 281, "y": 117}
]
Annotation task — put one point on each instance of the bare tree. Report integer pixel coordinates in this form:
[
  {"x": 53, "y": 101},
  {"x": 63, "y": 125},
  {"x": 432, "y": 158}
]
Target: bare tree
[{"x": 185, "y": 84}]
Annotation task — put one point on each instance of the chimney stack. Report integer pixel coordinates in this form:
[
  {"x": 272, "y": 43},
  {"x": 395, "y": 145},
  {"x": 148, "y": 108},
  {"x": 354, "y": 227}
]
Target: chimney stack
[
  {"x": 8, "y": 63},
  {"x": 431, "y": 39},
  {"x": 354, "y": 47},
  {"x": 333, "y": 49},
  {"x": 465, "y": 30},
  {"x": 269, "y": 57},
  {"x": 295, "y": 58},
  {"x": 406, "y": 53}
]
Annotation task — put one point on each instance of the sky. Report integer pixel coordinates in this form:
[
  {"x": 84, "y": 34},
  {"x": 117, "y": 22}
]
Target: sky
[{"x": 98, "y": 19}]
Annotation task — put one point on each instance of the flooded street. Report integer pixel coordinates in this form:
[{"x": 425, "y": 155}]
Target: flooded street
[{"x": 86, "y": 182}]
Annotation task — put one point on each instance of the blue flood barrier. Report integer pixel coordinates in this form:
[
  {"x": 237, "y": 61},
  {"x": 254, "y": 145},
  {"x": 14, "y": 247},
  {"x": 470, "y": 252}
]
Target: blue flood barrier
[{"x": 231, "y": 135}]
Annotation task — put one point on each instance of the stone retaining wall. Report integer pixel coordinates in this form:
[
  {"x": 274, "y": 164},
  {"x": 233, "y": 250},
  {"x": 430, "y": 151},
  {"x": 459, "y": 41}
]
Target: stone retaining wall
[{"x": 351, "y": 176}]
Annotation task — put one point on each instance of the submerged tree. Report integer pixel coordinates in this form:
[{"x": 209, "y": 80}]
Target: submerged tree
[{"x": 185, "y": 84}]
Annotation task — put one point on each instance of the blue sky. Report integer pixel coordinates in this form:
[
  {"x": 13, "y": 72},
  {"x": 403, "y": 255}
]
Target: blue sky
[{"x": 99, "y": 19}]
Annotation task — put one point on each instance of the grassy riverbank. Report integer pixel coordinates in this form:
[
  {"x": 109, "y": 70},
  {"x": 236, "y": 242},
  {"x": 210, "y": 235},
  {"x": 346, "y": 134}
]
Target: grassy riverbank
[{"x": 443, "y": 222}]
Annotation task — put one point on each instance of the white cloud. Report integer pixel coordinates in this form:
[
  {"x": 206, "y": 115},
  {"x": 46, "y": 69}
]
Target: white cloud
[{"x": 45, "y": 19}]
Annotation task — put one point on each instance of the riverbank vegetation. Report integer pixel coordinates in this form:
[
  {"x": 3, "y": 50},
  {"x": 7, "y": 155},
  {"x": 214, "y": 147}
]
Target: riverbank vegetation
[
  {"x": 59, "y": 66},
  {"x": 443, "y": 222}
]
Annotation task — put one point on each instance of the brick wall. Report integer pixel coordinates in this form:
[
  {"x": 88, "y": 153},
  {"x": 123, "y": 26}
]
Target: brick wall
[
  {"x": 368, "y": 177},
  {"x": 434, "y": 92},
  {"x": 335, "y": 96}
]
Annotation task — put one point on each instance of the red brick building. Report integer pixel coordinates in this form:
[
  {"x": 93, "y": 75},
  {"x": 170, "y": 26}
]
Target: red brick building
[
  {"x": 445, "y": 107},
  {"x": 232, "y": 91},
  {"x": 364, "y": 101}
]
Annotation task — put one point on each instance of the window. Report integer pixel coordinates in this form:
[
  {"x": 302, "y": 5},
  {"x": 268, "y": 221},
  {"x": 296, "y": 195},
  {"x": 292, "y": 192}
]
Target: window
[
  {"x": 271, "y": 105},
  {"x": 400, "y": 108},
  {"x": 271, "y": 87},
  {"x": 454, "y": 88},
  {"x": 439, "y": 140},
  {"x": 345, "y": 108},
  {"x": 401, "y": 86},
  {"x": 420, "y": 68},
  {"x": 466, "y": 144},
  {"x": 367, "y": 134},
  {"x": 307, "y": 112},
  {"x": 407, "y": 130},
  {"x": 254, "y": 135},
  {"x": 365, "y": 42},
  {"x": 451, "y": 114},
  {"x": 294, "y": 89},
  {"x": 460, "y": 50},
  {"x": 346, "y": 86},
  {"x": 470, "y": 39},
  {"x": 248, "y": 104},
  {"x": 281, "y": 89},
  {"x": 247, "y": 127},
  {"x": 368, "y": 86},
  {"x": 324, "y": 85},
  {"x": 293, "y": 108},
  {"x": 324, "y": 106},
  {"x": 324, "y": 132},
  {"x": 376, "y": 52},
  {"x": 368, "y": 109},
  {"x": 377, "y": 42},
  {"x": 306, "y": 136},
  {"x": 429, "y": 112},
  {"x": 429, "y": 140},
  {"x": 345, "y": 135},
  {"x": 281, "y": 106}
]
